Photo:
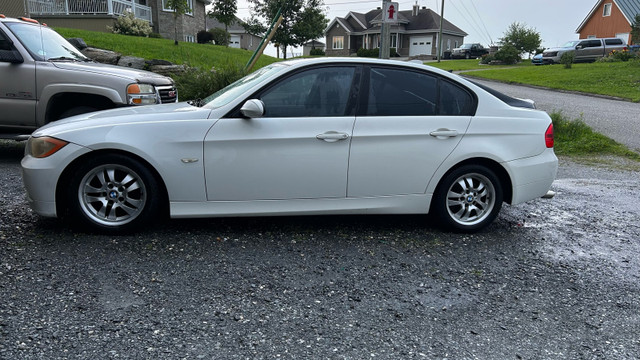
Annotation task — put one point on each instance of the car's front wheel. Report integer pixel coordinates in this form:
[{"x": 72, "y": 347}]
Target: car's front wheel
[
  {"x": 113, "y": 193},
  {"x": 467, "y": 199}
]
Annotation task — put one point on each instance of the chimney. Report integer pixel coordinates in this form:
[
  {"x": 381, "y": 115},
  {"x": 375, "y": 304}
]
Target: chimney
[{"x": 416, "y": 9}]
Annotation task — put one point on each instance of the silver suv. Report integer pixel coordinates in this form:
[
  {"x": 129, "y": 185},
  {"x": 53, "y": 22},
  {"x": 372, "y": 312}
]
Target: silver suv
[{"x": 44, "y": 78}]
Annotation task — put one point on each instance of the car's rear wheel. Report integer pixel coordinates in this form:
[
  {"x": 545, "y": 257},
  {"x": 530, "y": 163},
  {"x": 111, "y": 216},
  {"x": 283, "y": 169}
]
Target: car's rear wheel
[
  {"x": 113, "y": 193},
  {"x": 468, "y": 199}
]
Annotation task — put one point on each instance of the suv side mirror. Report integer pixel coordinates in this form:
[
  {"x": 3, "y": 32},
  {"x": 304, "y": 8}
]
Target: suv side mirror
[
  {"x": 11, "y": 56},
  {"x": 578, "y": 47}
]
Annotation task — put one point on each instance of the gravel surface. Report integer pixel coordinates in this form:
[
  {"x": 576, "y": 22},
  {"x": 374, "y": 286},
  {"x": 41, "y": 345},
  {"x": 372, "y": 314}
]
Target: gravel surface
[{"x": 550, "y": 279}]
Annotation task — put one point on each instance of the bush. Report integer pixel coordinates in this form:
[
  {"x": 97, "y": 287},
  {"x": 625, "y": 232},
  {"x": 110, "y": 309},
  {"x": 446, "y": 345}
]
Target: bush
[
  {"x": 507, "y": 54},
  {"x": 487, "y": 59},
  {"x": 204, "y": 37},
  {"x": 316, "y": 52},
  {"x": 375, "y": 53},
  {"x": 220, "y": 36},
  {"x": 196, "y": 84},
  {"x": 567, "y": 59},
  {"x": 620, "y": 55},
  {"x": 155, "y": 35},
  {"x": 127, "y": 24}
]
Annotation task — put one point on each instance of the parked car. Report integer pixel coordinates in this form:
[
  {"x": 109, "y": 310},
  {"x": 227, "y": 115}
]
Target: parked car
[
  {"x": 469, "y": 51},
  {"x": 584, "y": 50},
  {"x": 309, "y": 136},
  {"x": 537, "y": 59},
  {"x": 44, "y": 78}
]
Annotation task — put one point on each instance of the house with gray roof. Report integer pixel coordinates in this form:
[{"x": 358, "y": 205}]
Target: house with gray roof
[
  {"x": 610, "y": 18},
  {"x": 415, "y": 34}
]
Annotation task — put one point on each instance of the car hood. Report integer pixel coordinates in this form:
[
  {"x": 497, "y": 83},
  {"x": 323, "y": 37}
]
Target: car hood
[
  {"x": 559, "y": 48},
  {"x": 152, "y": 114},
  {"x": 134, "y": 75}
]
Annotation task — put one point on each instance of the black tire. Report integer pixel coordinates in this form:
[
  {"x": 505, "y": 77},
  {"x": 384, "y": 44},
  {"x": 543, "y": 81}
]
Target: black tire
[
  {"x": 113, "y": 193},
  {"x": 77, "y": 111},
  {"x": 467, "y": 56},
  {"x": 467, "y": 199}
]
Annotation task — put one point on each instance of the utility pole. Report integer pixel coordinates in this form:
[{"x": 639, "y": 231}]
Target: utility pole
[
  {"x": 440, "y": 34},
  {"x": 389, "y": 16}
]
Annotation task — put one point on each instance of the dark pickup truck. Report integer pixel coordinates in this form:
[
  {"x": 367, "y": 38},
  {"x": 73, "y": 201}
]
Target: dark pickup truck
[{"x": 469, "y": 51}]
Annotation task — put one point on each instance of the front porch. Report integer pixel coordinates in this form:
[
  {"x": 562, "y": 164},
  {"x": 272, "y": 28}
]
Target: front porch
[{"x": 111, "y": 8}]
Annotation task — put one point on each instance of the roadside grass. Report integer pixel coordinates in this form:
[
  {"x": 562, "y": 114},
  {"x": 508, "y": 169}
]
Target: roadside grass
[
  {"x": 472, "y": 64},
  {"x": 619, "y": 79},
  {"x": 575, "y": 139},
  {"x": 203, "y": 56}
]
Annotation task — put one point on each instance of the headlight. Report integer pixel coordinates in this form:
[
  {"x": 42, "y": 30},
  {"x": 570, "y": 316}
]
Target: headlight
[
  {"x": 41, "y": 147},
  {"x": 141, "y": 94},
  {"x": 550, "y": 54}
]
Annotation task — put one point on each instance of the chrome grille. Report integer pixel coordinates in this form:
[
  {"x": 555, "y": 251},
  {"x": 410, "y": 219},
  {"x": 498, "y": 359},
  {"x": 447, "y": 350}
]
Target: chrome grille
[{"x": 168, "y": 94}]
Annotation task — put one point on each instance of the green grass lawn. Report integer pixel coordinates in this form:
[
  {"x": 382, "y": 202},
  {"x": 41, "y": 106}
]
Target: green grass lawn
[
  {"x": 620, "y": 79},
  {"x": 204, "y": 56},
  {"x": 472, "y": 64}
]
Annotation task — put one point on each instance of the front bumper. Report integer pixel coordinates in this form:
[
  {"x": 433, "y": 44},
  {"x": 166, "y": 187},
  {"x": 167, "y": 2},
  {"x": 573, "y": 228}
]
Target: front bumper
[{"x": 40, "y": 177}]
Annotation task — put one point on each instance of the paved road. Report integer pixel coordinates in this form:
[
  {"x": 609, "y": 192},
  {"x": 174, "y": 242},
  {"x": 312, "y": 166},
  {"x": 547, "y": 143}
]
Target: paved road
[{"x": 620, "y": 120}]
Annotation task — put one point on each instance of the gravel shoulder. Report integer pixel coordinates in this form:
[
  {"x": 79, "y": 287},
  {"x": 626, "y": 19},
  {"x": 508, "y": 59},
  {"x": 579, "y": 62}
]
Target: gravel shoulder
[{"x": 550, "y": 279}]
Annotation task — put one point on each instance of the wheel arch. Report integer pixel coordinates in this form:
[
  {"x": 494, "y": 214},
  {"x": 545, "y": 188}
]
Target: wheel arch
[
  {"x": 497, "y": 168},
  {"x": 65, "y": 177},
  {"x": 61, "y": 102}
]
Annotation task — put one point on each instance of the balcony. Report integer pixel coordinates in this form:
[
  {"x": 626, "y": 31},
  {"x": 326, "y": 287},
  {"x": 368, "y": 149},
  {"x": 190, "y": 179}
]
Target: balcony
[{"x": 89, "y": 7}]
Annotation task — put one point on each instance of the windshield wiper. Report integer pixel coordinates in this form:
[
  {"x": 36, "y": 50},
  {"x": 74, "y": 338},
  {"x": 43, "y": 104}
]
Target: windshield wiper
[{"x": 63, "y": 58}]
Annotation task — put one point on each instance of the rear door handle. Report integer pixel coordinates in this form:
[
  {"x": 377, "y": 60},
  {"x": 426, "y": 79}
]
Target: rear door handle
[
  {"x": 444, "y": 133},
  {"x": 332, "y": 136}
]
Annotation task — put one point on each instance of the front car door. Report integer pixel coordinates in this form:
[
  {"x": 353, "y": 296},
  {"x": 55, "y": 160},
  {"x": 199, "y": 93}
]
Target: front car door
[
  {"x": 298, "y": 149},
  {"x": 407, "y": 125}
]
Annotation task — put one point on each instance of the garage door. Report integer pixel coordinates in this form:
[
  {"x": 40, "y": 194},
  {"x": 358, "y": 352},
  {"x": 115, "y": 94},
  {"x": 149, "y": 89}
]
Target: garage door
[
  {"x": 234, "y": 42},
  {"x": 420, "y": 45}
]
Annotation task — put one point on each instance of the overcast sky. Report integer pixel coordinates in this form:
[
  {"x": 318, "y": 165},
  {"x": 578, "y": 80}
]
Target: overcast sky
[{"x": 483, "y": 20}]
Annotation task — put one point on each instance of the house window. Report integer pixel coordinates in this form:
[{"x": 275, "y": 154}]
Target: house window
[
  {"x": 338, "y": 42},
  {"x": 591, "y": 36},
  {"x": 190, "y": 38},
  {"x": 448, "y": 44},
  {"x": 394, "y": 41},
  {"x": 189, "y": 2},
  {"x": 455, "y": 44},
  {"x": 607, "y": 10}
]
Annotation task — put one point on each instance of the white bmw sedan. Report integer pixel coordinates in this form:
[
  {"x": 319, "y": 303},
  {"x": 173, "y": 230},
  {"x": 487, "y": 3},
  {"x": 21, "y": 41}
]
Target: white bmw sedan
[{"x": 304, "y": 137}]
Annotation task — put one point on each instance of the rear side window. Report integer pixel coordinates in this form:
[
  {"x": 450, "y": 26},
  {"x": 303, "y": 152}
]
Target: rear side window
[
  {"x": 613, "y": 42},
  {"x": 396, "y": 92}
]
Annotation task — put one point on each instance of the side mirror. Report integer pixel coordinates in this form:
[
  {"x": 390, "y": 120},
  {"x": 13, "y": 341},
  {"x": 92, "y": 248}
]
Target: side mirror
[
  {"x": 11, "y": 56},
  {"x": 578, "y": 47},
  {"x": 253, "y": 108}
]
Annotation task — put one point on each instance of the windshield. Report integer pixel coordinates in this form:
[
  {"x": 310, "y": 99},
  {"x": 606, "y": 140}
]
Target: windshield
[
  {"x": 465, "y": 46},
  {"x": 571, "y": 43},
  {"x": 43, "y": 43},
  {"x": 224, "y": 96}
]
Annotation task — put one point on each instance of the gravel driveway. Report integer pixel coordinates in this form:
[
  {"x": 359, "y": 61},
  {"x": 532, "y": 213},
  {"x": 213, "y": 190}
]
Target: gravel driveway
[{"x": 550, "y": 279}]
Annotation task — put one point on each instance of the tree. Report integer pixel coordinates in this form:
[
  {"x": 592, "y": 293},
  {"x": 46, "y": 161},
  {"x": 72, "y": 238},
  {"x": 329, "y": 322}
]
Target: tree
[
  {"x": 525, "y": 40},
  {"x": 224, "y": 11},
  {"x": 303, "y": 20},
  {"x": 635, "y": 30},
  {"x": 179, "y": 8}
]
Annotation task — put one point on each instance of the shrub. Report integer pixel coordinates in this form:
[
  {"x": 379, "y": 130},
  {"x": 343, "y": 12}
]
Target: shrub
[
  {"x": 155, "y": 35},
  {"x": 204, "y": 37},
  {"x": 316, "y": 52},
  {"x": 619, "y": 55},
  {"x": 567, "y": 59},
  {"x": 220, "y": 36},
  {"x": 196, "y": 84},
  {"x": 127, "y": 24},
  {"x": 487, "y": 59},
  {"x": 374, "y": 53},
  {"x": 507, "y": 54}
]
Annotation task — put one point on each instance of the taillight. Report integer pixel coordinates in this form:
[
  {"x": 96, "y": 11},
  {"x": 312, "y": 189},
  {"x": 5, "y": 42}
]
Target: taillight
[{"x": 548, "y": 136}]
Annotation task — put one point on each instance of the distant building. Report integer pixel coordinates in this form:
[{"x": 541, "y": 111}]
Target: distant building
[
  {"x": 416, "y": 33},
  {"x": 240, "y": 38},
  {"x": 310, "y": 45},
  {"x": 99, "y": 15},
  {"x": 610, "y": 18}
]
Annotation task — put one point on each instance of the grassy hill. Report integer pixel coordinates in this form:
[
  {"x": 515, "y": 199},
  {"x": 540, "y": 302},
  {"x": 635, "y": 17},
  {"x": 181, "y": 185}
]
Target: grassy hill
[{"x": 203, "y": 56}]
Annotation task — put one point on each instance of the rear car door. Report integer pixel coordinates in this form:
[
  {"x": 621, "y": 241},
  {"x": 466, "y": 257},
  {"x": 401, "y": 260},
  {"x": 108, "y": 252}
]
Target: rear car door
[
  {"x": 408, "y": 122},
  {"x": 298, "y": 149}
]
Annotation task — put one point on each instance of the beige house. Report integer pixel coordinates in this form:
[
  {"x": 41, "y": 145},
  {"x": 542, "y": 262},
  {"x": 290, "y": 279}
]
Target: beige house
[
  {"x": 239, "y": 37},
  {"x": 98, "y": 15}
]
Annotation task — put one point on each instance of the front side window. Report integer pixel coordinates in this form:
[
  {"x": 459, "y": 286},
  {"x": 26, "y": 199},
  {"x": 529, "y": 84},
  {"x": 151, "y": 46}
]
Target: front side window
[
  {"x": 189, "y": 3},
  {"x": 338, "y": 42},
  {"x": 319, "y": 92},
  {"x": 607, "y": 10}
]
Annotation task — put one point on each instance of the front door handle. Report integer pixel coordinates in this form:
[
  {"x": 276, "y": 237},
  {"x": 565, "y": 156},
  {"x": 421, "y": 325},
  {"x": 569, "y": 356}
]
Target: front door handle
[
  {"x": 444, "y": 133},
  {"x": 332, "y": 136}
]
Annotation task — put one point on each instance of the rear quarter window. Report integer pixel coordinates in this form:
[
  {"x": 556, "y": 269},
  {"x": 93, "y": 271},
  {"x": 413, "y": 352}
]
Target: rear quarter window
[{"x": 613, "y": 41}]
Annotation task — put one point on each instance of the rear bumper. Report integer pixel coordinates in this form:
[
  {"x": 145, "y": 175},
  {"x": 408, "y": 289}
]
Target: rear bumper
[{"x": 532, "y": 177}]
